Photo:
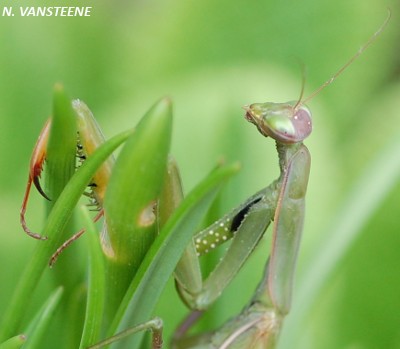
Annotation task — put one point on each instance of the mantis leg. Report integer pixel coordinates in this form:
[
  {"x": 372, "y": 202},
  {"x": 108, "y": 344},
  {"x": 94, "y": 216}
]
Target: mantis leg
[
  {"x": 154, "y": 325},
  {"x": 73, "y": 238},
  {"x": 244, "y": 226},
  {"x": 35, "y": 170},
  {"x": 259, "y": 323},
  {"x": 257, "y": 218}
]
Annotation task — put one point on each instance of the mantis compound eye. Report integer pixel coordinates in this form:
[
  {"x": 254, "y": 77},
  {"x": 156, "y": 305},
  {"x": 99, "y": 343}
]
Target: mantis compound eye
[{"x": 284, "y": 122}]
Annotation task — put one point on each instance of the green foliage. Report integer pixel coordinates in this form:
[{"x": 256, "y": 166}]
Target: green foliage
[
  {"x": 37, "y": 329},
  {"x": 123, "y": 283},
  {"x": 14, "y": 342},
  {"x": 213, "y": 57}
]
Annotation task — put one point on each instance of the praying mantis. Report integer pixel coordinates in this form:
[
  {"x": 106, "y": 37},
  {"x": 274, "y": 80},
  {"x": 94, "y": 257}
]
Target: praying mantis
[{"x": 282, "y": 202}]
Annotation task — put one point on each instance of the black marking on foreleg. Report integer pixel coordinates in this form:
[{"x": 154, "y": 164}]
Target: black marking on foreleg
[{"x": 241, "y": 215}]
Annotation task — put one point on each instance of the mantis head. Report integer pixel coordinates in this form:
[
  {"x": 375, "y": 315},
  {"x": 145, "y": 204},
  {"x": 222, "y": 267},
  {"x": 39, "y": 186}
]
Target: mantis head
[
  {"x": 285, "y": 122},
  {"x": 290, "y": 122}
]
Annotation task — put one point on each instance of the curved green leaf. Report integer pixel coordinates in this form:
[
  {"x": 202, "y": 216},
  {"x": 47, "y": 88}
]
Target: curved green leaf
[
  {"x": 96, "y": 288},
  {"x": 38, "y": 327},
  {"x": 14, "y": 342},
  {"x": 130, "y": 200},
  {"x": 164, "y": 254}
]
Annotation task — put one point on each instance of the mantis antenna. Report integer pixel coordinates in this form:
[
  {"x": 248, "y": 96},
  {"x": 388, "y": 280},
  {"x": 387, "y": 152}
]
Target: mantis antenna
[
  {"x": 349, "y": 62},
  {"x": 303, "y": 84}
]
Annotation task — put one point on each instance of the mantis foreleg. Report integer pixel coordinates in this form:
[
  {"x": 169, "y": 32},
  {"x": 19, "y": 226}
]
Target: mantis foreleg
[
  {"x": 259, "y": 323},
  {"x": 258, "y": 216}
]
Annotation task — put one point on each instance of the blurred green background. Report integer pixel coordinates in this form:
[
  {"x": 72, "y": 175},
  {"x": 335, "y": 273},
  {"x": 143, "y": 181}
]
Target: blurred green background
[{"x": 212, "y": 57}]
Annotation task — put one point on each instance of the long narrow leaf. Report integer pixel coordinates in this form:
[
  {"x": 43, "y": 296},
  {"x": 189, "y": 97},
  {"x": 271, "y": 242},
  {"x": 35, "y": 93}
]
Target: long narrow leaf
[
  {"x": 38, "y": 328},
  {"x": 164, "y": 254},
  {"x": 61, "y": 149},
  {"x": 96, "y": 288},
  {"x": 130, "y": 199}
]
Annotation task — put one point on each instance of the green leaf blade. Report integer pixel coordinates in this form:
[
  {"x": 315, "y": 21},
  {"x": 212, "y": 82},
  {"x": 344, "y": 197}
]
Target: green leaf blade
[
  {"x": 39, "y": 325},
  {"x": 135, "y": 185},
  {"x": 96, "y": 287},
  {"x": 61, "y": 148},
  {"x": 15, "y": 342},
  {"x": 131, "y": 196}
]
